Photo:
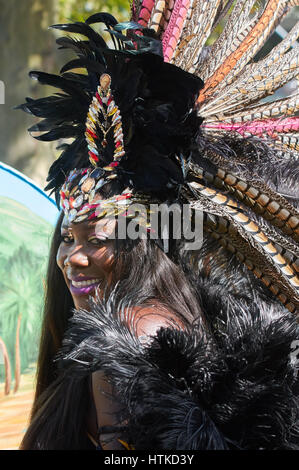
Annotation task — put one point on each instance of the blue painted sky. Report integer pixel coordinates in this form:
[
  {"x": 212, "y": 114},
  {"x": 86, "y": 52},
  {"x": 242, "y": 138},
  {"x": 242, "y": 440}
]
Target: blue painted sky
[{"x": 17, "y": 186}]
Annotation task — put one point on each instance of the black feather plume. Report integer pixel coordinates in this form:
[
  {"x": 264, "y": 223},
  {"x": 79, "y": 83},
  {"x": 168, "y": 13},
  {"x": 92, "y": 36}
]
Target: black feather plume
[{"x": 155, "y": 113}]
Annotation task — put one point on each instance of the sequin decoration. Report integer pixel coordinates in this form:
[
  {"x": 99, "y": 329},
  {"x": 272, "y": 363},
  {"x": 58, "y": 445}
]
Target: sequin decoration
[
  {"x": 103, "y": 113},
  {"x": 88, "y": 185},
  {"x": 79, "y": 202},
  {"x": 81, "y": 186}
]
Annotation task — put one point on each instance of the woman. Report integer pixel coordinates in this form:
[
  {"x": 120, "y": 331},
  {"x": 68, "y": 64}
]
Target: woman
[
  {"x": 78, "y": 252},
  {"x": 69, "y": 409},
  {"x": 175, "y": 349}
]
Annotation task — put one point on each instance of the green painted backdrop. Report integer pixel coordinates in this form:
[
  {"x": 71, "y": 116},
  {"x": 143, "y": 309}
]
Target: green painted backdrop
[{"x": 24, "y": 246}]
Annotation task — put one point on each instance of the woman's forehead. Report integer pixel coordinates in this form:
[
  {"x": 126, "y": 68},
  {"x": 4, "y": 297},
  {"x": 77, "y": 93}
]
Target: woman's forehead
[
  {"x": 85, "y": 225},
  {"x": 105, "y": 225}
]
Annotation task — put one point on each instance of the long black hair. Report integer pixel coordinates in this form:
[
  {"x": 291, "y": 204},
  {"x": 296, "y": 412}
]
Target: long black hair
[{"x": 60, "y": 404}]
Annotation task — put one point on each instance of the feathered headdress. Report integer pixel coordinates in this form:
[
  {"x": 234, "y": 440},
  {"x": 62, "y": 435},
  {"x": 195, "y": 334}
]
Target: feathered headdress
[{"x": 141, "y": 115}]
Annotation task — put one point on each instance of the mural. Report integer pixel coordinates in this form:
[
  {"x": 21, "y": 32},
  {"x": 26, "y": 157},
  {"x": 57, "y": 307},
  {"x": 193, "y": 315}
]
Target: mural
[{"x": 27, "y": 219}]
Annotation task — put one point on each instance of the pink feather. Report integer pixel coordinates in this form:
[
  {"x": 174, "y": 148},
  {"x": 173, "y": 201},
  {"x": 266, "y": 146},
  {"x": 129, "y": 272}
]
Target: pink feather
[
  {"x": 271, "y": 127},
  {"x": 145, "y": 12},
  {"x": 174, "y": 28}
]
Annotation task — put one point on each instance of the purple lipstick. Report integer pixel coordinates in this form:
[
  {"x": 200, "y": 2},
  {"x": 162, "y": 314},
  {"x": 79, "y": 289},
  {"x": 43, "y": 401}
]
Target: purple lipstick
[{"x": 83, "y": 286}]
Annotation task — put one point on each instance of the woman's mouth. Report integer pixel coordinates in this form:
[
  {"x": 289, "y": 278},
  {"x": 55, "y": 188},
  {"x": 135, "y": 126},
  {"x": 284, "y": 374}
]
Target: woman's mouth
[{"x": 83, "y": 287}]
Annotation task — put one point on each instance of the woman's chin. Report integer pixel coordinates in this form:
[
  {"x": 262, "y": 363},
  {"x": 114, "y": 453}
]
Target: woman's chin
[{"x": 82, "y": 302}]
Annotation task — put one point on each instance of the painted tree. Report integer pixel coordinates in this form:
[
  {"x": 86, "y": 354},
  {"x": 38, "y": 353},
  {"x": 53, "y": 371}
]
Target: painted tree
[
  {"x": 17, "y": 357},
  {"x": 7, "y": 368},
  {"x": 21, "y": 292}
]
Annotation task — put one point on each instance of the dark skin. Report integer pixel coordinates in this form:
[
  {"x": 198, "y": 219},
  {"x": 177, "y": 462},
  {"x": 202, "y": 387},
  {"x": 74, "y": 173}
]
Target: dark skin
[{"x": 86, "y": 252}]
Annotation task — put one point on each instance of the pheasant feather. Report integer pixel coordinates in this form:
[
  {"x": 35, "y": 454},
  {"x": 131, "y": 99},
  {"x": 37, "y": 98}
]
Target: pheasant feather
[
  {"x": 195, "y": 34},
  {"x": 174, "y": 28},
  {"x": 235, "y": 62},
  {"x": 284, "y": 106}
]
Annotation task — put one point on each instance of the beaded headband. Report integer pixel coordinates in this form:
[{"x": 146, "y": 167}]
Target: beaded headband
[{"x": 79, "y": 197}]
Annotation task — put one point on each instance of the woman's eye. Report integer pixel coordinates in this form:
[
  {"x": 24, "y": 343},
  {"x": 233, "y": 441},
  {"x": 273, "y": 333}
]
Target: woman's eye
[
  {"x": 96, "y": 241},
  {"x": 66, "y": 239}
]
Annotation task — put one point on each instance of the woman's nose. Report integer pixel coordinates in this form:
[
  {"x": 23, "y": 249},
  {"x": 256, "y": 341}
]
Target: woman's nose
[{"x": 77, "y": 257}]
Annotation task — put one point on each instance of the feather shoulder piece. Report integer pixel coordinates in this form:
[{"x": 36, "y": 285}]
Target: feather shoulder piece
[{"x": 235, "y": 388}]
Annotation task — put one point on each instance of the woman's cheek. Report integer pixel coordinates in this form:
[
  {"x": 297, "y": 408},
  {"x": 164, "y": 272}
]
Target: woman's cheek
[
  {"x": 60, "y": 257},
  {"x": 104, "y": 259}
]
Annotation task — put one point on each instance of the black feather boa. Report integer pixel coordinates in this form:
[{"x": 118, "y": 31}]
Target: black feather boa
[{"x": 234, "y": 387}]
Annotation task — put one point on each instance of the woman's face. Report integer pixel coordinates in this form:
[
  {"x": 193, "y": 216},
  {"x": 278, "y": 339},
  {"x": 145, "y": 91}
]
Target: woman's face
[{"x": 85, "y": 257}]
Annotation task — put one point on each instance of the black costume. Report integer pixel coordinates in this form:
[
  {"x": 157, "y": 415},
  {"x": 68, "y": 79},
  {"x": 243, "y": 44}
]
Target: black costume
[{"x": 171, "y": 120}]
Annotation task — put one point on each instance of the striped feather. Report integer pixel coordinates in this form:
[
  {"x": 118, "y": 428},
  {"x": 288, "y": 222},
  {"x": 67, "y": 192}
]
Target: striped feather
[
  {"x": 287, "y": 154},
  {"x": 157, "y": 15},
  {"x": 266, "y": 127},
  {"x": 134, "y": 7},
  {"x": 284, "y": 106},
  {"x": 254, "y": 84},
  {"x": 283, "y": 245},
  {"x": 161, "y": 15},
  {"x": 278, "y": 51},
  {"x": 223, "y": 9},
  {"x": 197, "y": 29},
  {"x": 236, "y": 29},
  {"x": 290, "y": 141},
  {"x": 145, "y": 12},
  {"x": 292, "y": 259},
  {"x": 260, "y": 198},
  {"x": 174, "y": 28},
  {"x": 262, "y": 225},
  {"x": 186, "y": 34},
  {"x": 167, "y": 14},
  {"x": 236, "y": 61},
  {"x": 250, "y": 261},
  {"x": 285, "y": 276}
]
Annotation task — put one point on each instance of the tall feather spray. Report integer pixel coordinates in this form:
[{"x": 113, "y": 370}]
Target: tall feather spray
[{"x": 250, "y": 197}]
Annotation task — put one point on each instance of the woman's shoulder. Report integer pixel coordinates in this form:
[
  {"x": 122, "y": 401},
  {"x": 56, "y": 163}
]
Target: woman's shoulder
[{"x": 147, "y": 319}]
